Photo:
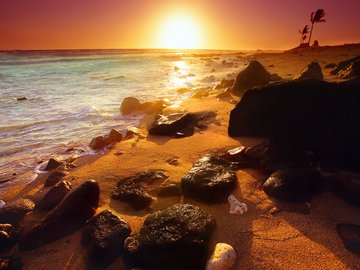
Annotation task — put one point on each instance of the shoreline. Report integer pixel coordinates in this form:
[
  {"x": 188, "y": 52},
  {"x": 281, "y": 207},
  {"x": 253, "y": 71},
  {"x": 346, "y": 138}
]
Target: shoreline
[{"x": 261, "y": 240}]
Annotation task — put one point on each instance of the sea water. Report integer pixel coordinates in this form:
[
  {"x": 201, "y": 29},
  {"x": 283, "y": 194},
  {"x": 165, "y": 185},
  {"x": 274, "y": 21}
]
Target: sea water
[{"x": 73, "y": 96}]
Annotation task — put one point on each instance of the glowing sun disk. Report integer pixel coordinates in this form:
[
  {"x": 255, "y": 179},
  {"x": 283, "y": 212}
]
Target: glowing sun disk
[{"x": 180, "y": 33}]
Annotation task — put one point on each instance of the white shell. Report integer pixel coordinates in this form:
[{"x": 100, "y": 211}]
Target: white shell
[
  {"x": 2, "y": 203},
  {"x": 236, "y": 207},
  {"x": 223, "y": 258}
]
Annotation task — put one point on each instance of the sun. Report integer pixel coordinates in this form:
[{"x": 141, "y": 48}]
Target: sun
[{"x": 180, "y": 32}]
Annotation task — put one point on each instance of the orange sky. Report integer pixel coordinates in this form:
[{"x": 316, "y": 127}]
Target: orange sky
[{"x": 220, "y": 24}]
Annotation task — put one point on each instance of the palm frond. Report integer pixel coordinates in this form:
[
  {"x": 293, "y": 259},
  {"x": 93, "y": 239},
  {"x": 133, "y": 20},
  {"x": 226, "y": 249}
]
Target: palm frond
[
  {"x": 318, "y": 16},
  {"x": 305, "y": 30}
]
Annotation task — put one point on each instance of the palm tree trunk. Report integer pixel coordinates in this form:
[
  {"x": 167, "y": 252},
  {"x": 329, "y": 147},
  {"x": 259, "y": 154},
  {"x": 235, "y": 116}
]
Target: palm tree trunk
[
  {"x": 312, "y": 26},
  {"x": 301, "y": 40}
]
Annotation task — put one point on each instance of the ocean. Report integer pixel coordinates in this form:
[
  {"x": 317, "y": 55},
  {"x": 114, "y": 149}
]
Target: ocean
[{"x": 75, "y": 95}]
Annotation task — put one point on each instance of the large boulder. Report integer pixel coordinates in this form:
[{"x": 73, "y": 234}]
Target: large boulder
[
  {"x": 311, "y": 72},
  {"x": 54, "y": 196},
  {"x": 294, "y": 185},
  {"x": 104, "y": 238},
  {"x": 253, "y": 75},
  {"x": 350, "y": 235},
  {"x": 72, "y": 213},
  {"x": 14, "y": 212},
  {"x": 132, "y": 189},
  {"x": 175, "y": 238},
  {"x": 210, "y": 179},
  {"x": 348, "y": 69},
  {"x": 314, "y": 115}
]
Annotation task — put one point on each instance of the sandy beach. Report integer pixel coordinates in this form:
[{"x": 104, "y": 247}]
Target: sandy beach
[{"x": 262, "y": 238}]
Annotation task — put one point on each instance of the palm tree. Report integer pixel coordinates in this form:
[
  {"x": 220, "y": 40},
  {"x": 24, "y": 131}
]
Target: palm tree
[
  {"x": 303, "y": 34},
  {"x": 316, "y": 17}
]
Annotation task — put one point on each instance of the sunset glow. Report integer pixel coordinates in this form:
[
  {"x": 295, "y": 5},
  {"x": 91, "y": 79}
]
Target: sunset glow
[
  {"x": 180, "y": 33},
  {"x": 205, "y": 24}
]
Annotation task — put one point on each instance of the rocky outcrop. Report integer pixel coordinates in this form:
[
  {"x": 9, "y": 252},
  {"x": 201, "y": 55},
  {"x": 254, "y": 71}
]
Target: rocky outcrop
[
  {"x": 350, "y": 235},
  {"x": 295, "y": 185},
  {"x": 78, "y": 206},
  {"x": 254, "y": 75},
  {"x": 330, "y": 65},
  {"x": 311, "y": 72},
  {"x": 14, "y": 212},
  {"x": 175, "y": 238},
  {"x": 210, "y": 179},
  {"x": 348, "y": 69},
  {"x": 8, "y": 237},
  {"x": 132, "y": 189},
  {"x": 54, "y": 196},
  {"x": 104, "y": 238},
  {"x": 318, "y": 116}
]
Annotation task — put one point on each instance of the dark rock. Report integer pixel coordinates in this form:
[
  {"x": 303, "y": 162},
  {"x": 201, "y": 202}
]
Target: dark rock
[
  {"x": 274, "y": 77},
  {"x": 350, "y": 235},
  {"x": 256, "y": 153},
  {"x": 54, "y": 178},
  {"x": 73, "y": 211},
  {"x": 170, "y": 190},
  {"x": 21, "y": 98},
  {"x": 99, "y": 142},
  {"x": 311, "y": 72},
  {"x": 348, "y": 69},
  {"x": 171, "y": 124},
  {"x": 8, "y": 237},
  {"x": 175, "y": 238},
  {"x": 10, "y": 263},
  {"x": 132, "y": 189},
  {"x": 52, "y": 164},
  {"x": 294, "y": 185},
  {"x": 115, "y": 136},
  {"x": 104, "y": 238},
  {"x": 254, "y": 75},
  {"x": 129, "y": 105},
  {"x": 14, "y": 212},
  {"x": 331, "y": 65},
  {"x": 224, "y": 84},
  {"x": 347, "y": 189},
  {"x": 311, "y": 115},
  {"x": 210, "y": 179},
  {"x": 54, "y": 196}
]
